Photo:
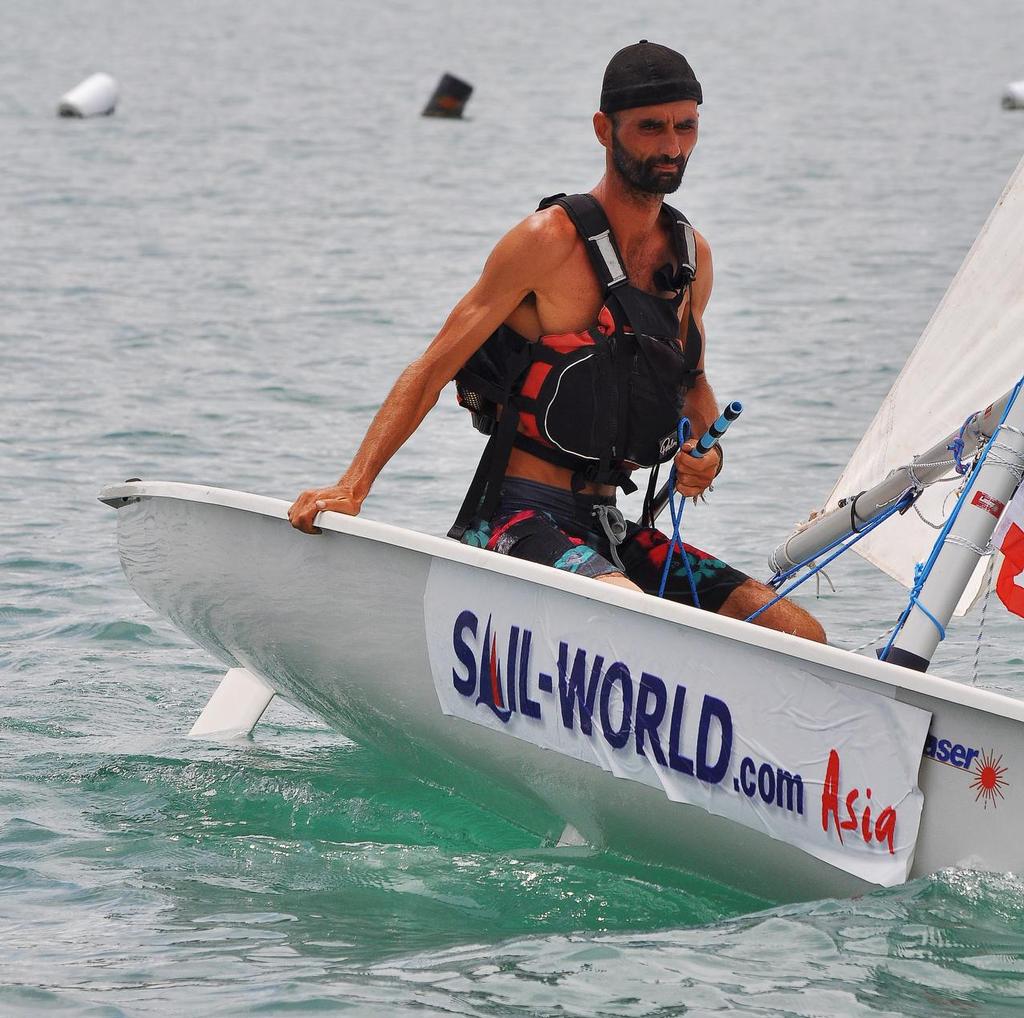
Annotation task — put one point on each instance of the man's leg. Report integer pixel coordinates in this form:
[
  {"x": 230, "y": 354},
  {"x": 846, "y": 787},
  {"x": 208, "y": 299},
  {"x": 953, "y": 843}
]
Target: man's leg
[
  {"x": 533, "y": 535},
  {"x": 618, "y": 580},
  {"x": 720, "y": 587},
  {"x": 784, "y": 616}
]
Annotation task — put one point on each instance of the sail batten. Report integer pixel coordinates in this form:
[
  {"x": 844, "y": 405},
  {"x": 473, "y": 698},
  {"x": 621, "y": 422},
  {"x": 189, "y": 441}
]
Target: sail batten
[{"x": 970, "y": 353}]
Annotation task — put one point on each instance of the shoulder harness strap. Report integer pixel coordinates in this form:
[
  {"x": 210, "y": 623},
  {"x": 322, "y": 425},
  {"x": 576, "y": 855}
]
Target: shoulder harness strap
[
  {"x": 686, "y": 253},
  {"x": 686, "y": 245},
  {"x": 592, "y": 225},
  {"x": 686, "y": 256}
]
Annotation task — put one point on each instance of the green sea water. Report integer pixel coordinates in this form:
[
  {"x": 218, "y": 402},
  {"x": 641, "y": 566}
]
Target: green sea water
[{"x": 218, "y": 284}]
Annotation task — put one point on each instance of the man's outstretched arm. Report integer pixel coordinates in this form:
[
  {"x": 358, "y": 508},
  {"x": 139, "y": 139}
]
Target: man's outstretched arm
[{"x": 516, "y": 266}]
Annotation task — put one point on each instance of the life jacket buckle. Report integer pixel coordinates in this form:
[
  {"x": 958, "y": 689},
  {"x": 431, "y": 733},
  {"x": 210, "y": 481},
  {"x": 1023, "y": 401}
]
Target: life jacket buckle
[{"x": 606, "y": 247}]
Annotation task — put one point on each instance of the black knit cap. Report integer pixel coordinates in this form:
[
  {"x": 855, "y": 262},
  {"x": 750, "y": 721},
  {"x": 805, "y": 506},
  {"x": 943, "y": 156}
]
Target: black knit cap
[{"x": 646, "y": 74}]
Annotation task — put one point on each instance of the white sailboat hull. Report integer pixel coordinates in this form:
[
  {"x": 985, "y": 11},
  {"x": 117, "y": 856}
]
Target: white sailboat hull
[{"x": 340, "y": 625}]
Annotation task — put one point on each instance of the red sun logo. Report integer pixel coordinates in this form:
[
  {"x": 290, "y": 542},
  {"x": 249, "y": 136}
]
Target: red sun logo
[{"x": 988, "y": 778}]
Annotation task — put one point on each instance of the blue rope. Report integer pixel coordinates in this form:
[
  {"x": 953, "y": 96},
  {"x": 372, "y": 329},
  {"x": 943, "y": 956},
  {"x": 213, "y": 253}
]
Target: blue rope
[
  {"x": 922, "y": 572},
  {"x": 915, "y": 601},
  {"x": 682, "y": 433},
  {"x": 901, "y": 504},
  {"x": 956, "y": 447}
]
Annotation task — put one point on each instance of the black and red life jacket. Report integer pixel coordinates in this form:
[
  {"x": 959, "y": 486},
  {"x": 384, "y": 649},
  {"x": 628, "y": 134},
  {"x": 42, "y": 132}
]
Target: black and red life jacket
[{"x": 599, "y": 402}]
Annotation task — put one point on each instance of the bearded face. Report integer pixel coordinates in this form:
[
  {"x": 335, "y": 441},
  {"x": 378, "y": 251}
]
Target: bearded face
[{"x": 658, "y": 174}]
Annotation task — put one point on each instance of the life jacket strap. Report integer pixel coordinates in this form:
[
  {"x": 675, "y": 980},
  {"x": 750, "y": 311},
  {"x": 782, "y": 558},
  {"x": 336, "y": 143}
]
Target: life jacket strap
[
  {"x": 647, "y": 514},
  {"x": 485, "y": 489},
  {"x": 593, "y": 227},
  {"x": 584, "y": 471},
  {"x": 548, "y": 453},
  {"x": 692, "y": 349},
  {"x": 686, "y": 250}
]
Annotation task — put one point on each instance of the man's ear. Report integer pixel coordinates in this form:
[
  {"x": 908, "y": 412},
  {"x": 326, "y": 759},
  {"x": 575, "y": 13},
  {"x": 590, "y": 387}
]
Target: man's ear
[{"x": 603, "y": 128}]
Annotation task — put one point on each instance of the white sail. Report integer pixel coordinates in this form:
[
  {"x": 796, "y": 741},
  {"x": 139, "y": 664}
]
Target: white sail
[{"x": 971, "y": 352}]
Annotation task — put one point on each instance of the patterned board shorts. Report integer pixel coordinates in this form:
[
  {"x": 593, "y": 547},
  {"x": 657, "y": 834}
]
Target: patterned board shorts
[{"x": 554, "y": 538}]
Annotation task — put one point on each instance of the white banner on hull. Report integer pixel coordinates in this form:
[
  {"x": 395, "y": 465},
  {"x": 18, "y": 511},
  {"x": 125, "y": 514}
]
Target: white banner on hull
[{"x": 736, "y": 730}]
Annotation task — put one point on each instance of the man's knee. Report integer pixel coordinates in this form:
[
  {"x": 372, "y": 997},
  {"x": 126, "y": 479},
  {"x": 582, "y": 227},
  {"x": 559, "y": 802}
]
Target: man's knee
[
  {"x": 618, "y": 580},
  {"x": 800, "y": 622},
  {"x": 784, "y": 616}
]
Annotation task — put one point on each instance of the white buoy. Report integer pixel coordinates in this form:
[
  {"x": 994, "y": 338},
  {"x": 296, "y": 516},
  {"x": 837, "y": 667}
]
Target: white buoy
[
  {"x": 95, "y": 97},
  {"x": 1013, "y": 97}
]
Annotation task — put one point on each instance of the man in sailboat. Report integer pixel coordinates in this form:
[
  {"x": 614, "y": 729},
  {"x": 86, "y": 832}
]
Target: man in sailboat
[{"x": 578, "y": 349}]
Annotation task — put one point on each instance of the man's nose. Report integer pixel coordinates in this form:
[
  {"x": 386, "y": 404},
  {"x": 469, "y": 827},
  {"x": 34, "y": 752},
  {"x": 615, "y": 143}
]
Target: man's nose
[{"x": 673, "y": 149}]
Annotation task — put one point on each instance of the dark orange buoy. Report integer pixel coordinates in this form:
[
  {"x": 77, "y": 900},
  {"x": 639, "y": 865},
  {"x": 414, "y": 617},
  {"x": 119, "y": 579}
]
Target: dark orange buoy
[{"x": 449, "y": 98}]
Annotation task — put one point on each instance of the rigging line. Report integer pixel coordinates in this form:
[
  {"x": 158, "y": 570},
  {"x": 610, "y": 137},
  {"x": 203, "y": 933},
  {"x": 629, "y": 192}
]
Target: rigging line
[
  {"x": 969, "y": 545},
  {"x": 955, "y": 479},
  {"x": 924, "y": 519},
  {"x": 682, "y": 433},
  {"x": 874, "y": 639},
  {"x": 913, "y": 465},
  {"x": 1015, "y": 464},
  {"x": 945, "y": 501},
  {"x": 981, "y": 621},
  {"x": 922, "y": 571},
  {"x": 964, "y": 480},
  {"x": 936, "y": 463}
]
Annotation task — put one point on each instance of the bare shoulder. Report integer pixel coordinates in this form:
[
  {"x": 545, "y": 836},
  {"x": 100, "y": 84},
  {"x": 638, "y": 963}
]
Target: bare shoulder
[
  {"x": 547, "y": 236},
  {"x": 531, "y": 251}
]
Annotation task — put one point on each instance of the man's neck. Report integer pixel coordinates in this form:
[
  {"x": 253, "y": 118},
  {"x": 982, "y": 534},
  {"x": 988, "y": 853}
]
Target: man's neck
[{"x": 632, "y": 214}]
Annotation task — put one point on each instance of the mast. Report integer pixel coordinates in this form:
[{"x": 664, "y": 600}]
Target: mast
[
  {"x": 998, "y": 433},
  {"x": 962, "y": 542},
  {"x": 961, "y": 546}
]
